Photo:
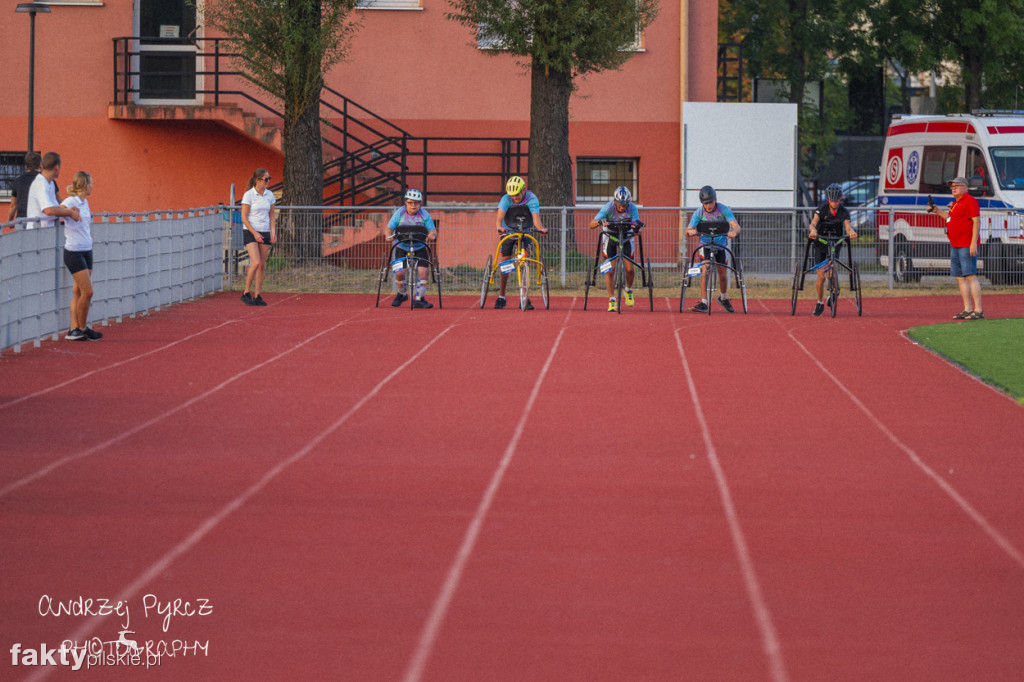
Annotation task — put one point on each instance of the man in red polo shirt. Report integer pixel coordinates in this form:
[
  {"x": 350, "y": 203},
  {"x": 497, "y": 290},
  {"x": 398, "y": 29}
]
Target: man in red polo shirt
[{"x": 963, "y": 226}]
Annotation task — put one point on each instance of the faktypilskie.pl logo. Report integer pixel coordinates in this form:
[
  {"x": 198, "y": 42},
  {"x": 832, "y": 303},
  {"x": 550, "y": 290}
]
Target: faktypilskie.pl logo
[{"x": 126, "y": 649}]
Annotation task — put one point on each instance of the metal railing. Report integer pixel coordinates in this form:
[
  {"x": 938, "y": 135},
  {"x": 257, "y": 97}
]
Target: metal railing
[
  {"x": 141, "y": 262},
  {"x": 370, "y": 159}
]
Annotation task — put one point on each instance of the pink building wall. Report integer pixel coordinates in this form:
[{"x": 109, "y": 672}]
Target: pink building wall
[{"x": 414, "y": 67}]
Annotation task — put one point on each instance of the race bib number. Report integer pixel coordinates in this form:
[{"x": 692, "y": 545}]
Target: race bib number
[
  {"x": 507, "y": 266},
  {"x": 398, "y": 265},
  {"x": 606, "y": 266},
  {"x": 694, "y": 271}
]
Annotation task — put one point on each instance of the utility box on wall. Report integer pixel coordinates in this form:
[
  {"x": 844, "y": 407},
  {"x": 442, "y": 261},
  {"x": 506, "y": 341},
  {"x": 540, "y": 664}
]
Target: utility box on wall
[{"x": 746, "y": 151}]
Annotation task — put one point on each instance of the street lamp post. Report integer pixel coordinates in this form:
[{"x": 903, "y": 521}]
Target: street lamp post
[{"x": 32, "y": 8}]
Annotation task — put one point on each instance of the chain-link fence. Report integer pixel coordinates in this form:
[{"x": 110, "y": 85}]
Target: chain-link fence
[{"x": 343, "y": 249}]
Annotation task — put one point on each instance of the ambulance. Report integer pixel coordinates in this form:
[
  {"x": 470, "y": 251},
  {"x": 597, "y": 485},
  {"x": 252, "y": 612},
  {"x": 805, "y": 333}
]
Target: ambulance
[{"x": 922, "y": 155}]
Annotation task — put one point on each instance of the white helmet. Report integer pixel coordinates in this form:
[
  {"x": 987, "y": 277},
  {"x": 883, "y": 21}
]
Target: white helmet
[
  {"x": 622, "y": 195},
  {"x": 413, "y": 195}
]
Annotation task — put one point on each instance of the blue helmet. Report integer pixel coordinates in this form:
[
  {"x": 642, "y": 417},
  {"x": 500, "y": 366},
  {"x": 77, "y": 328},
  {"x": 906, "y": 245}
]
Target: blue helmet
[{"x": 622, "y": 195}]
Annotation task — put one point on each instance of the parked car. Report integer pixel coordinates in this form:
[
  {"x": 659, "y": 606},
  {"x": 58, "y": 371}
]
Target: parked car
[{"x": 860, "y": 196}]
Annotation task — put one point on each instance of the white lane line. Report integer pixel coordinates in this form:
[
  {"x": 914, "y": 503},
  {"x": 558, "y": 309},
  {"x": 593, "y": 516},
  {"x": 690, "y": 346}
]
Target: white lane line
[
  {"x": 88, "y": 452},
  {"x": 89, "y": 626},
  {"x": 432, "y": 627},
  {"x": 769, "y": 638},
  {"x": 90, "y": 373},
  {"x": 1003, "y": 543}
]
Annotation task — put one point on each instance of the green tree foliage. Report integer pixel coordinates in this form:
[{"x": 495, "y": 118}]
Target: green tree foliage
[
  {"x": 799, "y": 42},
  {"x": 983, "y": 37},
  {"x": 558, "y": 41},
  {"x": 285, "y": 48}
]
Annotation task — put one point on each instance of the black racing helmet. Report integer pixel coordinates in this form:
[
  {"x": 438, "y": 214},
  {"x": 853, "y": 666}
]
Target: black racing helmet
[
  {"x": 707, "y": 193},
  {"x": 834, "y": 192}
]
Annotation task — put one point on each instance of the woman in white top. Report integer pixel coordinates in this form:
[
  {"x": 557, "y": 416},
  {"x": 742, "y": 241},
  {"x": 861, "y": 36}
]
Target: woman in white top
[
  {"x": 78, "y": 256},
  {"x": 259, "y": 234}
]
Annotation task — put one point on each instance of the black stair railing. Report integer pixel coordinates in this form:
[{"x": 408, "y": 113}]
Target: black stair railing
[{"x": 370, "y": 159}]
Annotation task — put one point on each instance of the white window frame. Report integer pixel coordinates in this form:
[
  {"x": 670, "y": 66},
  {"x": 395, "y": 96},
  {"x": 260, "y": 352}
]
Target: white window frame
[{"x": 390, "y": 4}]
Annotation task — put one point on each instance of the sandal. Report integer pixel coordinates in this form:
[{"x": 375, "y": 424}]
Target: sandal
[
  {"x": 963, "y": 315},
  {"x": 976, "y": 315}
]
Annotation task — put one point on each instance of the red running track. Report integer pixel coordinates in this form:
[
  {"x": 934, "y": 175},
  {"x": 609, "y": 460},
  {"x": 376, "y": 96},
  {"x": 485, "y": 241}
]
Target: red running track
[{"x": 342, "y": 492}]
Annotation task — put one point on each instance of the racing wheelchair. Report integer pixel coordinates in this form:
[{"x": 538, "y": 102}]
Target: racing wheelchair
[
  {"x": 620, "y": 233},
  {"x": 402, "y": 254},
  {"x": 706, "y": 256},
  {"x": 831, "y": 265}
]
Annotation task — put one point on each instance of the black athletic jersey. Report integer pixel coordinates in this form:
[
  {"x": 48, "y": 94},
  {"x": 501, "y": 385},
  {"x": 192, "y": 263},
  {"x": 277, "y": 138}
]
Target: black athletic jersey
[{"x": 831, "y": 225}]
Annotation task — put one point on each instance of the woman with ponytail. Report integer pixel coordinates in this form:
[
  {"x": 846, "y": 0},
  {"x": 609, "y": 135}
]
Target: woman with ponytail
[
  {"x": 259, "y": 233},
  {"x": 78, "y": 256}
]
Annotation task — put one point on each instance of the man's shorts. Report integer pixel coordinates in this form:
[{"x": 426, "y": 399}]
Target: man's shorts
[
  {"x": 962, "y": 263},
  {"x": 509, "y": 245},
  {"x": 820, "y": 251},
  {"x": 76, "y": 261},
  {"x": 720, "y": 256},
  {"x": 610, "y": 247},
  {"x": 248, "y": 238}
]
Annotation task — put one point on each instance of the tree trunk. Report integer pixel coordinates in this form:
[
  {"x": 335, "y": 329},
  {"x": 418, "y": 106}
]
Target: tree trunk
[
  {"x": 972, "y": 78},
  {"x": 550, "y": 166},
  {"x": 303, "y": 183}
]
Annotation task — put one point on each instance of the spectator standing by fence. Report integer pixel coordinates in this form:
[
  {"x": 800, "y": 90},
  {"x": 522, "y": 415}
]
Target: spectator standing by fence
[
  {"x": 42, "y": 195},
  {"x": 78, "y": 257},
  {"x": 963, "y": 227},
  {"x": 260, "y": 232},
  {"x": 22, "y": 185}
]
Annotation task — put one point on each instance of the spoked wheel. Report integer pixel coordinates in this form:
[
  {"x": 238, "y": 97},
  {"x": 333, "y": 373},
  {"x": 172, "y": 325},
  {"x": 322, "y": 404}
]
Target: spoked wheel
[
  {"x": 588, "y": 281},
  {"x": 833, "y": 290},
  {"x": 685, "y": 285},
  {"x": 855, "y": 275},
  {"x": 412, "y": 275},
  {"x": 382, "y": 277},
  {"x": 437, "y": 280},
  {"x": 486, "y": 284},
  {"x": 796, "y": 287},
  {"x": 710, "y": 279},
  {"x": 544, "y": 287},
  {"x": 524, "y": 285},
  {"x": 743, "y": 287},
  {"x": 620, "y": 283},
  {"x": 650, "y": 283}
]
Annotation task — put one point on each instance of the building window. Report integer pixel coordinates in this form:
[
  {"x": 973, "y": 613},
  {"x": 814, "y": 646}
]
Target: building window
[
  {"x": 12, "y": 164},
  {"x": 389, "y": 4},
  {"x": 596, "y": 179}
]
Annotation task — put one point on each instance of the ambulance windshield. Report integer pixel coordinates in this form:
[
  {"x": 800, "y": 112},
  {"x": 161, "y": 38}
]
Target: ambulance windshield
[{"x": 1008, "y": 163}]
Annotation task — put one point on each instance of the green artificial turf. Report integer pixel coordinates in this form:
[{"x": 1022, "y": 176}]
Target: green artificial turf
[{"x": 993, "y": 350}]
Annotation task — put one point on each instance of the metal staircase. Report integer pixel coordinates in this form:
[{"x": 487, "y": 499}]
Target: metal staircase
[{"x": 369, "y": 160}]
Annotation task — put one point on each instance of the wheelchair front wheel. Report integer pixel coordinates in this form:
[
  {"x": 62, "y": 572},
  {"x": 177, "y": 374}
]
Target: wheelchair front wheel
[{"x": 649, "y": 275}]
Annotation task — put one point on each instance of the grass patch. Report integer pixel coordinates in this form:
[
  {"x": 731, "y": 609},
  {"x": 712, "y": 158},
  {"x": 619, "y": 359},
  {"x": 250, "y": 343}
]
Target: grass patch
[{"x": 989, "y": 349}]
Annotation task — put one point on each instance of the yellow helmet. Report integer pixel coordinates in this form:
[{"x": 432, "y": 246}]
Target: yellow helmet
[{"x": 515, "y": 185}]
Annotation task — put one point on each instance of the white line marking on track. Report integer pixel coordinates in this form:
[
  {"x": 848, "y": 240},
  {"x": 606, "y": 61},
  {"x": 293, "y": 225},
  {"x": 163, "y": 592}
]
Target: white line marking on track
[
  {"x": 432, "y": 627},
  {"x": 119, "y": 363},
  {"x": 88, "y": 452},
  {"x": 943, "y": 484},
  {"x": 769, "y": 638},
  {"x": 151, "y": 573}
]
